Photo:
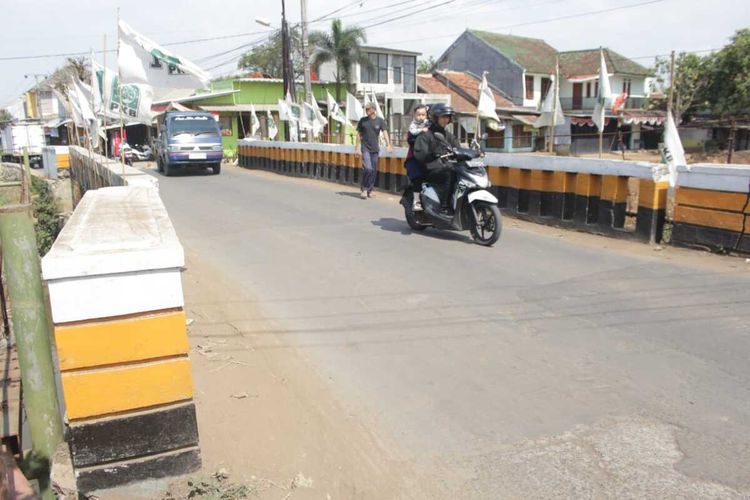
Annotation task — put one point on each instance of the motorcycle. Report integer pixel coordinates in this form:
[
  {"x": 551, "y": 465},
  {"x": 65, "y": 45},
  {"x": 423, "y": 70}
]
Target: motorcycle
[
  {"x": 472, "y": 207},
  {"x": 127, "y": 153},
  {"x": 142, "y": 152}
]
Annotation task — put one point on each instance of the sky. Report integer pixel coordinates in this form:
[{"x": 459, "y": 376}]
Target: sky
[{"x": 648, "y": 28}]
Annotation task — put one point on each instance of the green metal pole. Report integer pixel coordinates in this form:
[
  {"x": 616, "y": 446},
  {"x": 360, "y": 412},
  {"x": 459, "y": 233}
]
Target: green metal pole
[{"x": 31, "y": 329}]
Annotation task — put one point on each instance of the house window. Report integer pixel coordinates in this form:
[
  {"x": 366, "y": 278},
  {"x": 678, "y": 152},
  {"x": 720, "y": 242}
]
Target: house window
[
  {"x": 496, "y": 139},
  {"x": 529, "y": 87},
  {"x": 588, "y": 89},
  {"x": 596, "y": 88},
  {"x": 397, "y": 64},
  {"x": 626, "y": 86},
  {"x": 378, "y": 72},
  {"x": 546, "y": 84},
  {"x": 521, "y": 137},
  {"x": 410, "y": 74}
]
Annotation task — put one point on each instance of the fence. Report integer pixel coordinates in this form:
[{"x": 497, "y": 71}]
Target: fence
[{"x": 580, "y": 193}]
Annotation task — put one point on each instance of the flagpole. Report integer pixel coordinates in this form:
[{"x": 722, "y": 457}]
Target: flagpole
[
  {"x": 101, "y": 89},
  {"x": 601, "y": 111},
  {"x": 554, "y": 105},
  {"x": 119, "y": 95}
]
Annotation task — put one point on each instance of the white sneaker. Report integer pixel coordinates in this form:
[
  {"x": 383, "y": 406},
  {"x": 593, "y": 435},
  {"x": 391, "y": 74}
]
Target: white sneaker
[
  {"x": 417, "y": 205},
  {"x": 363, "y": 195}
]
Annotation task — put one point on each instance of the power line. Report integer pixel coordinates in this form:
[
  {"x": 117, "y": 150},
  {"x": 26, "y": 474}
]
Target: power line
[
  {"x": 582, "y": 14},
  {"x": 407, "y": 15}
]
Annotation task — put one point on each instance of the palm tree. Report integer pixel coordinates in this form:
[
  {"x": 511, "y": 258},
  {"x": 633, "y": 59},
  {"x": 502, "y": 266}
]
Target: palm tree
[{"x": 344, "y": 46}]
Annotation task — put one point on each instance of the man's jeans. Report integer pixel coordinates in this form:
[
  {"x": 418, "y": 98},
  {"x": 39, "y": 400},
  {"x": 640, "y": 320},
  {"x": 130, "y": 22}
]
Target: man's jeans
[{"x": 369, "y": 169}]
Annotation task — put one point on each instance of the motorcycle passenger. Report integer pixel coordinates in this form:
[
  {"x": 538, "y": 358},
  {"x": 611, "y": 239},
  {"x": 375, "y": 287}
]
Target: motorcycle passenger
[{"x": 428, "y": 149}]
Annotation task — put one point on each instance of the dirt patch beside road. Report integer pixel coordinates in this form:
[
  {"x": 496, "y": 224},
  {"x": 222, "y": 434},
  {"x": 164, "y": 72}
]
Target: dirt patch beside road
[{"x": 264, "y": 414}]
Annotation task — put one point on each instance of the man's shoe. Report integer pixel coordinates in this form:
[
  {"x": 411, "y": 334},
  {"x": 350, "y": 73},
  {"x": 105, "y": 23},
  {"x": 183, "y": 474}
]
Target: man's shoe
[
  {"x": 370, "y": 194},
  {"x": 363, "y": 195}
]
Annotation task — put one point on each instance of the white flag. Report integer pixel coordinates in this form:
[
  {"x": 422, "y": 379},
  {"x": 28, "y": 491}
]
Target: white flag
[
  {"x": 370, "y": 98},
  {"x": 548, "y": 111},
  {"x": 605, "y": 94},
  {"x": 486, "y": 106},
  {"x": 307, "y": 116},
  {"x": 672, "y": 150},
  {"x": 143, "y": 61},
  {"x": 271, "y": 125},
  {"x": 254, "y": 122},
  {"x": 334, "y": 111},
  {"x": 136, "y": 97},
  {"x": 354, "y": 110},
  {"x": 320, "y": 120},
  {"x": 284, "y": 110}
]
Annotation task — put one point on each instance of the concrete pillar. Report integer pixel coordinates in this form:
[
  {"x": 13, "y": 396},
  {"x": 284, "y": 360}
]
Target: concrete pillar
[{"x": 117, "y": 306}]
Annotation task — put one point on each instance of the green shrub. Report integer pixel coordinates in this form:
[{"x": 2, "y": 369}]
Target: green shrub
[{"x": 46, "y": 216}]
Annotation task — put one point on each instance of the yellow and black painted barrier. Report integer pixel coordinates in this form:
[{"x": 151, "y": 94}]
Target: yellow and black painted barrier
[
  {"x": 712, "y": 207},
  {"x": 120, "y": 332},
  {"x": 585, "y": 194}
]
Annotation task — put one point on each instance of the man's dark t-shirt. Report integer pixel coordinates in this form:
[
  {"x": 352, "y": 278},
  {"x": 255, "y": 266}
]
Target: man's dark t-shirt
[{"x": 369, "y": 129}]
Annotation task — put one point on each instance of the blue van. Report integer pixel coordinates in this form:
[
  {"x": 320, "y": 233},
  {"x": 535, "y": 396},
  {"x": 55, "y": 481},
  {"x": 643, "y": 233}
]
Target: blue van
[{"x": 188, "y": 139}]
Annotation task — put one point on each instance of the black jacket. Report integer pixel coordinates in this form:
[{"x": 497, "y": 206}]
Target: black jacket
[{"x": 427, "y": 148}]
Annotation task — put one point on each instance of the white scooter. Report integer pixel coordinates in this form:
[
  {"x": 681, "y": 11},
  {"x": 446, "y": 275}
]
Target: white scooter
[{"x": 473, "y": 207}]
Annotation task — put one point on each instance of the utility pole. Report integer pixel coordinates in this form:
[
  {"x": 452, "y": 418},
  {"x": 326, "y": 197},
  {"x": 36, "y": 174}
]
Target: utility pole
[
  {"x": 287, "y": 72},
  {"x": 670, "y": 98},
  {"x": 305, "y": 54},
  {"x": 31, "y": 331},
  {"x": 554, "y": 106}
]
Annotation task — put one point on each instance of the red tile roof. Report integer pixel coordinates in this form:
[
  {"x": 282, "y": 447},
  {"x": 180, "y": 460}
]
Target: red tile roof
[{"x": 463, "y": 88}]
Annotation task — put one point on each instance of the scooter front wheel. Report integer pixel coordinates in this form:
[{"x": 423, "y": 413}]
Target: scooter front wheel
[{"x": 487, "y": 227}]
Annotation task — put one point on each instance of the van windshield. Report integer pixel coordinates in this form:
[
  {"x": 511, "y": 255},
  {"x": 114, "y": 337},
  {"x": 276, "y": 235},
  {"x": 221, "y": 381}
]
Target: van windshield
[{"x": 194, "y": 125}]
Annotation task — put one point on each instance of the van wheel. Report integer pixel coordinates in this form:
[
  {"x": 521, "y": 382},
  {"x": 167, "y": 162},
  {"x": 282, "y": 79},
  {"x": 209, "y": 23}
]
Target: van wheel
[
  {"x": 159, "y": 167},
  {"x": 216, "y": 169}
]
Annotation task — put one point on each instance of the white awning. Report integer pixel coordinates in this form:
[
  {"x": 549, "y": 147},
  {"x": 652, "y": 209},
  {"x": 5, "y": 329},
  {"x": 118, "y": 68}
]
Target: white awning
[{"x": 240, "y": 108}]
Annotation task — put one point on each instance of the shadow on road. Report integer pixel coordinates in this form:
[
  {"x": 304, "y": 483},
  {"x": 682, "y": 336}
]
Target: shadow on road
[
  {"x": 350, "y": 194},
  {"x": 400, "y": 226}
]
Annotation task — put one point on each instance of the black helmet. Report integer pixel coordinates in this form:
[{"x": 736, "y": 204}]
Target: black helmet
[{"x": 438, "y": 110}]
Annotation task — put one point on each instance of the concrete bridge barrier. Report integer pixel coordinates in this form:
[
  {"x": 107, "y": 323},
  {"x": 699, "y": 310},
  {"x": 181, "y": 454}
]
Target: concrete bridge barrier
[
  {"x": 90, "y": 170},
  {"x": 712, "y": 206},
  {"x": 117, "y": 306},
  {"x": 585, "y": 194}
]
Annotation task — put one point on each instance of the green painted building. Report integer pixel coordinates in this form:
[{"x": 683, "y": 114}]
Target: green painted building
[{"x": 231, "y": 100}]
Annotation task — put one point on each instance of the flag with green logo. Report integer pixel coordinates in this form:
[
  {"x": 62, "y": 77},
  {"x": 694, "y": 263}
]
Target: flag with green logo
[{"x": 141, "y": 60}]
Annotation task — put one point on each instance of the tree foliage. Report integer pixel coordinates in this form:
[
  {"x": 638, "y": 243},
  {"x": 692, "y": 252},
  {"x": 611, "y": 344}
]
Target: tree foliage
[
  {"x": 74, "y": 67},
  {"x": 5, "y": 117},
  {"x": 342, "y": 46},
  {"x": 727, "y": 93},
  {"x": 691, "y": 79},
  {"x": 425, "y": 65},
  {"x": 266, "y": 57}
]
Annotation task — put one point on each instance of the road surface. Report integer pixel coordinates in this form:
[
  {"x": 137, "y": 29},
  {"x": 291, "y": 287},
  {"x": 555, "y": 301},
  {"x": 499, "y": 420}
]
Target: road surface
[{"x": 555, "y": 364}]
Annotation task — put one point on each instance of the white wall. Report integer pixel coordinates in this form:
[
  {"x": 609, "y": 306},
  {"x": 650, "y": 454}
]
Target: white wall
[{"x": 533, "y": 103}]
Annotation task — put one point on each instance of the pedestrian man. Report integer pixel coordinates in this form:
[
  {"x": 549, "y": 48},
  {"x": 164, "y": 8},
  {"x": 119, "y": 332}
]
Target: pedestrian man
[{"x": 369, "y": 129}]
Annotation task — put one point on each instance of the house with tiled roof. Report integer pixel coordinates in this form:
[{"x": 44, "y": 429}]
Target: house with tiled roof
[
  {"x": 462, "y": 87},
  {"x": 523, "y": 69}
]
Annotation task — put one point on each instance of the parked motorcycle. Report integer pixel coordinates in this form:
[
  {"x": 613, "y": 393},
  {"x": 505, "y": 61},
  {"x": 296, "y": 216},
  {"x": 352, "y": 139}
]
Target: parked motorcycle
[
  {"x": 472, "y": 207},
  {"x": 127, "y": 153},
  {"x": 142, "y": 152}
]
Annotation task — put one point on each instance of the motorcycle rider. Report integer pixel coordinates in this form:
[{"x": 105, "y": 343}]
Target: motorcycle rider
[{"x": 428, "y": 148}]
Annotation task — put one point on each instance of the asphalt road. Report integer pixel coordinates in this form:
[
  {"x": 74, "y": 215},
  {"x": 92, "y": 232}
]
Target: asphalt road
[{"x": 552, "y": 365}]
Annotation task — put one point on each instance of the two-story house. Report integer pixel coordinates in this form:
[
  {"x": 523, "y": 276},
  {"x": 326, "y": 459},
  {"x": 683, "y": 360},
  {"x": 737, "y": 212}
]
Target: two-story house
[
  {"x": 392, "y": 78},
  {"x": 524, "y": 68}
]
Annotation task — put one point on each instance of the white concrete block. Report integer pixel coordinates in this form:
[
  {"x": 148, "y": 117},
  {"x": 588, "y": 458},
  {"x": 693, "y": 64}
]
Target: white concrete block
[
  {"x": 115, "y": 230},
  {"x": 103, "y": 296}
]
